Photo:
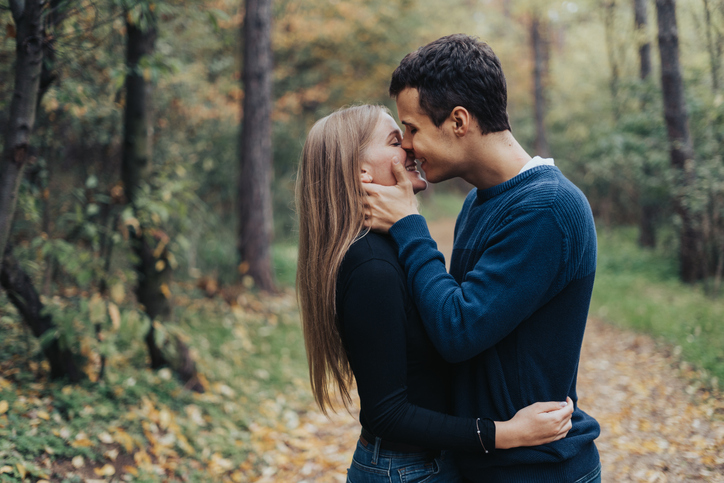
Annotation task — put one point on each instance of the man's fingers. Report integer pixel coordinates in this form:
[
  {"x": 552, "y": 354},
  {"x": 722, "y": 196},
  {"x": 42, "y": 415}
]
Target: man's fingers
[
  {"x": 398, "y": 170},
  {"x": 371, "y": 188}
]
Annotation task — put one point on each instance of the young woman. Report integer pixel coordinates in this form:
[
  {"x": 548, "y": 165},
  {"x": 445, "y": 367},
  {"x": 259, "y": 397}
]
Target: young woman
[{"x": 359, "y": 321}]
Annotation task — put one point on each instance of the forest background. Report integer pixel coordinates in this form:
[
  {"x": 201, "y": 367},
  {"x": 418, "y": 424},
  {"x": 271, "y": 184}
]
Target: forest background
[{"x": 110, "y": 269}]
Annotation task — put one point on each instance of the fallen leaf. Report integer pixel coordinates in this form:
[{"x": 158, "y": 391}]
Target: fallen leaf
[
  {"x": 83, "y": 442},
  {"x": 77, "y": 462},
  {"x": 105, "y": 438},
  {"x": 21, "y": 470},
  {"x": 111, "y": 454},
  {"x": 6, "y": 469},
  {"x": 4, "y": 407},
  {"x": 115, "y": 315},
  {"x": 107, "y": 470}
]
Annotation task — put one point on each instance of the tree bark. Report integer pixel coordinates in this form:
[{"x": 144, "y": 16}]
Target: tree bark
[
  {"x": 610, "y": 28},
  {"x": 136, "y": 162},
  {"x": 25, "y": 298},
  {"x": 641, "y": 24},
  {"x": 540, "y": 47},
  {"x": 713, "y": 46},
  {"x": 154, "y": 272},
  {"x": 28, "y": 65},
  {"x": 677, "y": 126},
  {"x": 254, "y": 198},
  {"x": 648, "y": 206}
]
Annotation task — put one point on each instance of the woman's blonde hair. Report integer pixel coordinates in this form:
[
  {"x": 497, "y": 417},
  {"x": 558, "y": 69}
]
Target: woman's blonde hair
[{"x": 330, "y": 204}]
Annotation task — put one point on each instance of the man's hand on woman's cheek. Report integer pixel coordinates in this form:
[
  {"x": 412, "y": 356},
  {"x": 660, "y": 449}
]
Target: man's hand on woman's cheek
[{"x": 386, "y": 205}]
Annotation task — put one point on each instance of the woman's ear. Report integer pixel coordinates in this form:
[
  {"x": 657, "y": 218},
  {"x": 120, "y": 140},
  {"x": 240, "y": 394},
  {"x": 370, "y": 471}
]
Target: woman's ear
[{"x": 365, "y": 176}]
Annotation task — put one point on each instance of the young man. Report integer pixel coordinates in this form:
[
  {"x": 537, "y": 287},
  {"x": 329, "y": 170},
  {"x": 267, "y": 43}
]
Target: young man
[{"x": 513, "y": 309}]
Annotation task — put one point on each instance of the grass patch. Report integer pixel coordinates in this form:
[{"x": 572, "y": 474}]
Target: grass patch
[
  {"x": 639, "y": 289},
  {"x": 141, "y": 425},
  {"x": 284, "y": 259},
  {"x": 442, "y": 204}
]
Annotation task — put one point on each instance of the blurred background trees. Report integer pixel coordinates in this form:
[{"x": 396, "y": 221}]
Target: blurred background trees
[
  {"x": 124, "y": 174},
  {"x": 136, "y": 173}
]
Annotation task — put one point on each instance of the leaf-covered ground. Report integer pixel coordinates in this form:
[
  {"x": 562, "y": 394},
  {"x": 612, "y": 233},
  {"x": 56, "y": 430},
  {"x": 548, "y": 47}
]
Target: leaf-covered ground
[
  {"x": 656, "y": 426},
  {"x": 257, "y": 422}
]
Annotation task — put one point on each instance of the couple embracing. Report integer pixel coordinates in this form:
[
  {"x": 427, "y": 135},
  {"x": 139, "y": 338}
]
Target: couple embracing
[{"x": 462, "y": 376}]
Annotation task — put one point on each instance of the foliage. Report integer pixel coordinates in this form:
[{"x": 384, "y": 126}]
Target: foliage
[
  {"x": 639, "y": 289},
  {"x": 71, "y": 231},
  {"x": 144, "y": 425}
]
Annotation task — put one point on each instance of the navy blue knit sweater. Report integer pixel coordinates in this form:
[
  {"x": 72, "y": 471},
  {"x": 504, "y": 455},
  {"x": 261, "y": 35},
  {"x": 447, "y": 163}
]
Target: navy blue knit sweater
[{"x": 512, "y": 313}]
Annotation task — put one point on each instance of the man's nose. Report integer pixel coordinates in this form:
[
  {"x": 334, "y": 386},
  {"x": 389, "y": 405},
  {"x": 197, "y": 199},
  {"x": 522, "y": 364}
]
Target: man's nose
[{"x": 407, "y": 144}]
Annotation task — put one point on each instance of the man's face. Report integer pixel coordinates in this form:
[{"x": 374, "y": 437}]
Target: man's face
[{"x": 431, "y": 145}]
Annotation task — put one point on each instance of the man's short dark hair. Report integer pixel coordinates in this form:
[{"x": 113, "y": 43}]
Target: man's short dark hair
[{"x": 457, "y": 70}]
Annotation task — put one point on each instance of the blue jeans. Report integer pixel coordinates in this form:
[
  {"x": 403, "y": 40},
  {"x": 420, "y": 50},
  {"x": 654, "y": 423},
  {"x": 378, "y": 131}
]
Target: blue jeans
[
  {"x": 592, "y": 477},
  {"x": 374, "y": 465}
]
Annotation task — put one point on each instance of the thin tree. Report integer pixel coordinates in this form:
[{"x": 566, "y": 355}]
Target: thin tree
[
  {"x": 681, "y": 150},
  {"x": 33, "y": 76},
  {"x": 153, "y": 269},
  {"x": 609, "y": 21},
  {"x": 713, "y": 45},
  {"x": 540, "y": 47},
  {"x": 641, "y": 25},
  {"x": 255, "y": 154},
  {"x": 649, "y": 207},
  {"x": 27, "y": 16}
]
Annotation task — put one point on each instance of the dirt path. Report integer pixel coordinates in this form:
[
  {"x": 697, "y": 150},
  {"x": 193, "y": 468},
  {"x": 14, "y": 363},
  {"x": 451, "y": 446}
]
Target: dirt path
[{"x": 655, "y": 426}]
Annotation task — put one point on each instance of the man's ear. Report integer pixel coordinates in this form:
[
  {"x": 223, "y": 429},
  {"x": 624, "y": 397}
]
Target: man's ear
[
  {"x": 365, "y": 175},
  {"x": 460, "y": 119}
]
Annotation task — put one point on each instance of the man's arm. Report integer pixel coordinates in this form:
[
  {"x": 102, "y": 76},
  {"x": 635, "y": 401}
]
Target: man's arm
[{"x": 509, "y": 281}]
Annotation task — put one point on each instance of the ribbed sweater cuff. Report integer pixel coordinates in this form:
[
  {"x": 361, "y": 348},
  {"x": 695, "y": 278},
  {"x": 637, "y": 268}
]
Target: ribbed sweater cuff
[{"x": 408, "y": 228}]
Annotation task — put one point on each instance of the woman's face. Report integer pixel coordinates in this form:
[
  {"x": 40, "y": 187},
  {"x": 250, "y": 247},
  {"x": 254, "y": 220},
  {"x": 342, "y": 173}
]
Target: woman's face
[{"x": 385, "y": 145}]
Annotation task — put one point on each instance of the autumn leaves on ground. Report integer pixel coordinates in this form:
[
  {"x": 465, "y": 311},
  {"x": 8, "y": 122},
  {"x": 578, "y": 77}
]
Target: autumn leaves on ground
[{"x": 256, "y": 420}]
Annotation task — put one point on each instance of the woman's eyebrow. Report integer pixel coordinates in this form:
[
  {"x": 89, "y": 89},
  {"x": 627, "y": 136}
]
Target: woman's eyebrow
[{"x": 396, "y": 132}]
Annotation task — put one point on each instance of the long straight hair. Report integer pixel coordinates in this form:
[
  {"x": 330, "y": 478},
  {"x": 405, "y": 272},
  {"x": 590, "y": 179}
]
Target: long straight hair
[{"x": 330, "y": 205}]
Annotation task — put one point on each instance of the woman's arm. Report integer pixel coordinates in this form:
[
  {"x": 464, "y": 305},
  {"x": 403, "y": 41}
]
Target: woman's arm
[
  {"x": 372, "y": 311},
  {"x": 372, "y": 308}
]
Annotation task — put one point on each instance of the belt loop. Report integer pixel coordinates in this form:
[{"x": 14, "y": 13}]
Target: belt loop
[{"x": 376, "y": 451}]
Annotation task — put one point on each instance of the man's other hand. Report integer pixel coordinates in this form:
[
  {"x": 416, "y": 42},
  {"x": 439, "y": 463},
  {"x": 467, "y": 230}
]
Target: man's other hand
[{"x": 386, "y": 205}]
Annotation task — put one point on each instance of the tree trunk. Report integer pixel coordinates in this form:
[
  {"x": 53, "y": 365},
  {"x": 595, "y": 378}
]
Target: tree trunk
[
  {"x": 28, "y": 65},
  {"x": 712, "y": 46},
  {"x": 642, "y": 39},
  {"x": 153, "y": 269},
  {"x": 677, "y": 125},
  {"x": 540, "y": 46},
  {"x": 25, "y": 298},
  {"x": 135, "y": 166},
  {"x": 29, "y": 71},
  {"x": 255, "y": 207},
  {"x": 610, "y": 28},
  {"x": 648, "y": 206}
]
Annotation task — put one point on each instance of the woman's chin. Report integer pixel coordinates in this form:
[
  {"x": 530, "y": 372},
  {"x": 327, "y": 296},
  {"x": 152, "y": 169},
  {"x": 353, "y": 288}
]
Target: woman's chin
[{"x": 418, "y": 185}]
